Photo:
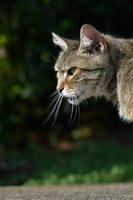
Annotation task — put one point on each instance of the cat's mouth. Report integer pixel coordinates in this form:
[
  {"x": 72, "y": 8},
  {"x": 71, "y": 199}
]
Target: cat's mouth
[{"x": 73, "y": 99}]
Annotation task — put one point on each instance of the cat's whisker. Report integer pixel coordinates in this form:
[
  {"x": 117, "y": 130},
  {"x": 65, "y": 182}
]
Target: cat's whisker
[
  {"x": 76, "y": 105},
  {"x": 83, "y": 99},
  {"x": 54, "y": 93},
  {"x": 75, "y": 114},
  {"x": 78, "y": 108},
  {"x": 72, "y": 118},
  {"x": 53, "y": 110},
  {"x": 72, "y": 108},
  {"x": 58, "y": 108},
  {"x": 53, "y": 100},
  {"x": 56, "y": 104},
  {"x": 55, "y": 96}
]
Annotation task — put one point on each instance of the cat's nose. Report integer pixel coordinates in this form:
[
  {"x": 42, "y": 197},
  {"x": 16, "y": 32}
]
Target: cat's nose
[
  {"x": 60, "y": 90},
  {"x": 60, "y": 87}
]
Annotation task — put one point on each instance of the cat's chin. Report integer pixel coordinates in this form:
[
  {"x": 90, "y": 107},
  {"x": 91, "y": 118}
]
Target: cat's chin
[
  {"x": 75, "y": 101},
  {"x": 70, "y": 101}
]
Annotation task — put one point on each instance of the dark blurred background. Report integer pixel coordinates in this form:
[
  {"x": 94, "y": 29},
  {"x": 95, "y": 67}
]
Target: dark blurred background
[{"x": 27, "y": 80}]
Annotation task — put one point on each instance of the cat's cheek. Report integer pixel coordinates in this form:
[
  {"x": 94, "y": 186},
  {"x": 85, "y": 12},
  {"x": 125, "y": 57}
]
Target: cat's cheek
[{"x": 125, "y": 115}]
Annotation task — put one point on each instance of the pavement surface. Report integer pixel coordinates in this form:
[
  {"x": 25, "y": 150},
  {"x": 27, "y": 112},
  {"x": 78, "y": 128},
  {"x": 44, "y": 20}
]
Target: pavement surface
[{"x": 83, "y": 192}]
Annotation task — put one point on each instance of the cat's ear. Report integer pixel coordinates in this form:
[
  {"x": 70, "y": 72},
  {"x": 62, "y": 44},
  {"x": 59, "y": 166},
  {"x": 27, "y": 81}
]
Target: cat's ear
[
  {"x": 59, "y": 41},
  {"x": 91, "y": 40},
  {"x": 64, "y": 43}
]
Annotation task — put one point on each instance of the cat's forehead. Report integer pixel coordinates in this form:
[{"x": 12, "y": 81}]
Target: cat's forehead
[
  {"x": 72, "y": 58},
  {"x": 66, "y": 59}
]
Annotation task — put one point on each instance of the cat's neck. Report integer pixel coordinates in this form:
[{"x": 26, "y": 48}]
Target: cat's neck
[
  {"x": 119, "y": 51},
  {"x": 119, "y": 48}
]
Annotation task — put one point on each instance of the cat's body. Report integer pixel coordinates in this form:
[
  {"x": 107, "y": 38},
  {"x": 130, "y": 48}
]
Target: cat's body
[{"x": 98, "y": 65}]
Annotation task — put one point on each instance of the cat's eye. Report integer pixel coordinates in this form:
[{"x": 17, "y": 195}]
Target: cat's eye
[{"x": 71, "y": 71}]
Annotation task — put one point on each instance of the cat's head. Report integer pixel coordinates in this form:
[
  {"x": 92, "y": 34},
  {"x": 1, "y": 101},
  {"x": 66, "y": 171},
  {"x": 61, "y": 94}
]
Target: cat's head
[{"x": 81, "y": 65}]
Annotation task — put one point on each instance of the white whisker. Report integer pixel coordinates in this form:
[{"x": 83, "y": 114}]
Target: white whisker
[
  {"x": 78, "y": 108},
  {"x": 53, "y": 110},
  {"x": 54, "y": 93},
  {"x": 72, "y": 108},
  {"x": 54, "y": 99},
  {"x": 58, "y": 108},
  {"x": 75, "y": 111},
  {"x": 82, "y": 97}
]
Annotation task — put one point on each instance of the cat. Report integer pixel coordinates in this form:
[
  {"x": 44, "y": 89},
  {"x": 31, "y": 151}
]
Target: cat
[{"x": 97, "y": 65}]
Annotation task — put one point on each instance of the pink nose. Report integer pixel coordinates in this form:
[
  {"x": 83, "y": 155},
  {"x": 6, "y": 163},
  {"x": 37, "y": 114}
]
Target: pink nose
[
  {"x": 60, "y": 86},
  {"x": 59, "y": 89}
]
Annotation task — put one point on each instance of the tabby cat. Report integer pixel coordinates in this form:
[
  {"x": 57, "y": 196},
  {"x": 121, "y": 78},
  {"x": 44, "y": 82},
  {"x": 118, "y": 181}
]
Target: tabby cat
[{"x": 97, "y": 65}]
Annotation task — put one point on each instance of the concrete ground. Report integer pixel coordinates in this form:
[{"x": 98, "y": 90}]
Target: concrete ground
[{"x": 83, "y": 192}]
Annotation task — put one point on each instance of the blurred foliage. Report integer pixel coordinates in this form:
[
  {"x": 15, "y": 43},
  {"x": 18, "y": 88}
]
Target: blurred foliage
[
  {"x": 27, "y": 56},
  {"x": 103, "y": 162}
]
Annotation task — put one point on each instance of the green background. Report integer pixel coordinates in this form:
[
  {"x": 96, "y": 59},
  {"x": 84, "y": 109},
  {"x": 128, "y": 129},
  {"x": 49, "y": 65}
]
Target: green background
[{"x": 27, "y": 79}]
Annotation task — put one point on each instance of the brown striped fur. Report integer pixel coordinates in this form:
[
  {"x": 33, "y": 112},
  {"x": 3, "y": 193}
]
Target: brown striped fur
[{"x": 97, "y": 65}]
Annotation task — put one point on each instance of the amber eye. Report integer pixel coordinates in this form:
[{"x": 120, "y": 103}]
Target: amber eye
[{"x": 71, "y": 71}]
